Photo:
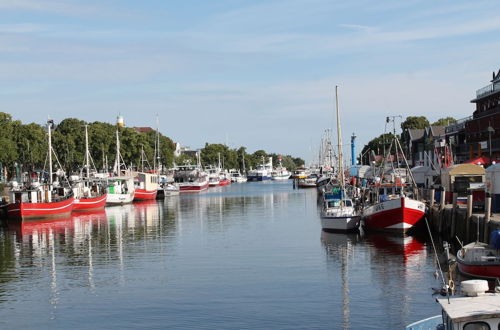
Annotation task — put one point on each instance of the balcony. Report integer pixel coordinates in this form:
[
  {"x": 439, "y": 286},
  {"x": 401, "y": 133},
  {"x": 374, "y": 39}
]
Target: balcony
[
  {"x": 458, "y": 126},
  {"x": 490, "y": 89}
]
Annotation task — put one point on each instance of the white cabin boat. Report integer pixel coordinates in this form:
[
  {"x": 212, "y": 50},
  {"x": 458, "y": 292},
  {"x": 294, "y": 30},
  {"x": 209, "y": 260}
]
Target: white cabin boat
[
  {"x": 476, "y": 309},
  {"x": 339, "y": 215},
  {"x": 121, "y": 190}
]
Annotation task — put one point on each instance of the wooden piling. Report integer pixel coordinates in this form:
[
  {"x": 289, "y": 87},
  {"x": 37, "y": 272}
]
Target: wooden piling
[
  {"x": 468, "y": 218},
  {"x": 487, "y": 215},
  {"x": 443, "y": 198},
  {"x": 453, "y": 215}
]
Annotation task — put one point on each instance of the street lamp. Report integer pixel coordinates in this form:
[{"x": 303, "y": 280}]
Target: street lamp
[{"x": 490, "y": 130}]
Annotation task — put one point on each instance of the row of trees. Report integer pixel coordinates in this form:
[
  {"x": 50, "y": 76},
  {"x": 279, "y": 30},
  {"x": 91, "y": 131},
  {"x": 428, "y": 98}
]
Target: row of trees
[
  {"x": 233, "y": 158},
  {"x": 376, "y": 145},
  {"x": 24, "y": 147}
]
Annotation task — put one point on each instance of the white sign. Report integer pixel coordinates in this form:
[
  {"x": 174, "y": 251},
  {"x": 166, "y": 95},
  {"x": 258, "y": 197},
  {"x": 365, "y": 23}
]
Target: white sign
[{"x": 484, "y": 144}]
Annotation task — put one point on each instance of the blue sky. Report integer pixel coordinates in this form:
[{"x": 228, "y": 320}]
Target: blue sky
[{"x": 254, "y": 73}]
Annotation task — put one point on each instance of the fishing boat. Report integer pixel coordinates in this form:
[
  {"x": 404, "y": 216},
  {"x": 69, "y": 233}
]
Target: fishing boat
[
  {"x": 236, "y": 176},
  {"x": 262, "y": 172},
  {"x": 41, "y": 200},
  {"x": 146, "y": 186},
  {"x": 90, "y": 191},
  {"x": 191, "y": 178},
  {"x": 280, "y": 172},
  {"x": 224, "y": 178},
  {"x": 480, "y": 259},
  {"x": 393, "y": 206},
  {"x": 171, "y": 189},
  {"x": 339, "y": 215},
  {"x": 475, "y": 308},
  {"x": 300, "y": 173},
  {"x": 308, "y": 182},
  {"x": 338, "y": 212},
  {"x": 213, "y": 175},
  {"x": 121, "y": 189}
]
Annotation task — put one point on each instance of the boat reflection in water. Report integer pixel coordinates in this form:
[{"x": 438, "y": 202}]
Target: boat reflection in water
[
  {"x": 397, "y": 264},
  {"x": 339, "y": 247}
]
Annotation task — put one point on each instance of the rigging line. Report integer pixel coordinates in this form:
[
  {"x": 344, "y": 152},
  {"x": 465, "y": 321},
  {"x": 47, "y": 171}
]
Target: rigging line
[{"x": 439, "y": 265}]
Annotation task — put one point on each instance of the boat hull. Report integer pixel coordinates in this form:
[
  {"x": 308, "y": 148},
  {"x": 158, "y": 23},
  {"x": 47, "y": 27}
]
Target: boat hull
[
  {"x": 397, "y": 215},
  {"x": 479, "y": 260},
  {"x": 40, "y": 211},
  {"x": 278, "y": 177},
  {"x": 193, "y": 187},
  {"x": 119, "y": 199},
  {"x": 258, "y": 178},
  {"x": 145, "y": 195},
  {"x": 344, "y": 223},
  {"x": 89, "y": 204},
  {"x": 224, "y": 182}
]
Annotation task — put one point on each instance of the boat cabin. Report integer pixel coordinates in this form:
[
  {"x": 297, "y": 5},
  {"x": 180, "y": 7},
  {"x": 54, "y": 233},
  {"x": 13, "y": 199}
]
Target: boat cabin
[
  {"x": 338, "y": 203},
  {"x": 476, "y": 310}
]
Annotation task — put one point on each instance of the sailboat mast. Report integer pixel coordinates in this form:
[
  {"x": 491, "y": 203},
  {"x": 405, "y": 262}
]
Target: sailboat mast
[
  {"x": 118, "y": 170},
  {"x": 49, "y": 126},
  {"x": 87, "y": 153},
  {"x": 339, "y": 140}
]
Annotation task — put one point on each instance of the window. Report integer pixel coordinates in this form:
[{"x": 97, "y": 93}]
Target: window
[{"x": 476, "y": 326}]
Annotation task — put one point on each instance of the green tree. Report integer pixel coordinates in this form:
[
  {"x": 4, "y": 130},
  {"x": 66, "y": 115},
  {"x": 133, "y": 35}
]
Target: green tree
[
  {"x": 444, "y": 121},
  {"x": 413, "y": 122},
  {"x": 376, "y": 145}
]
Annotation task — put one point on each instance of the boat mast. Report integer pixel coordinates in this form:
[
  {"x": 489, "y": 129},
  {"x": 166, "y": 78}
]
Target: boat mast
[
  {"x": 87, "y": 153},
  {"x": 339, "y": 142},
  {"x": 243, "y": 156},
  {"x": 118, "y": 156},
  {"x": 49, "y": 127}
]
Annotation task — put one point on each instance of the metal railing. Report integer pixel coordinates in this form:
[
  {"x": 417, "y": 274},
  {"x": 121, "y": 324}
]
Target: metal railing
[{"x": 488, "y": 89}]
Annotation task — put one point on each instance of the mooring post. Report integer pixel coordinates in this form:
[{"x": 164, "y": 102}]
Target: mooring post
[
  {"x": 453, "y": 214},
  {"x": 443, "y": 198},
  {"x": 433, "y": 192},
  {"x": 468, "y": 219},
  {"x": 487, "y": 214}
]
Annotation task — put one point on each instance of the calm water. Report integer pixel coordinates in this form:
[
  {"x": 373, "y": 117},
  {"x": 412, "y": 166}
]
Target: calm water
[{"x": 246, "y": 256}]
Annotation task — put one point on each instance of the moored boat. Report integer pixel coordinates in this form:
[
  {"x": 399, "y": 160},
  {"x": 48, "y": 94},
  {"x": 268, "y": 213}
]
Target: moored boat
[
  {"x": 262, "y": 172},
  {"x": 38, "y": 201},
  {"x": 146, "y": 186},
  {"x": 393, "y": 204},
  {"x": 308, "y": 182},
  {"x": 474, "y": 309},
  {"x": 121, "y": 189},
  {"x": 280, "y": 172},
  {"x": 90, "y": 192},
  {"x": 480, "y": 259},
  {"x": 190, "y": 179},
  {"x": 396, "y": 214}
]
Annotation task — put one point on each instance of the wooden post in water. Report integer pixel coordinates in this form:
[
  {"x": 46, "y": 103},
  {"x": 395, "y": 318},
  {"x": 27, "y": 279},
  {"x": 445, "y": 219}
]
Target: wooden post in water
[
  {"x": 487, "y": 214},
  {"x": 433, "y": 192},
  {"x": 453, "y": 214},
  {"x": 468, "y": 219},
  {"x": 443, "y": 198}
]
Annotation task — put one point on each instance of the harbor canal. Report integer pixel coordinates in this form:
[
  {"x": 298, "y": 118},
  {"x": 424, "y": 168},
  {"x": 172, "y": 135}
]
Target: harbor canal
[{"x": 245, "y": 256}]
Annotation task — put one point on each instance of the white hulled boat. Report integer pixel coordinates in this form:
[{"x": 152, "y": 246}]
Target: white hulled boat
[
  {"x": 121, "y": 189},
  {"x": 280, "y": 172},
  {"x": 262, "y": 172},
  {"x": 338, "y": 212}
]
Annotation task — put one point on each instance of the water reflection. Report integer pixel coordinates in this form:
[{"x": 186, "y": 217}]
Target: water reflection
[{"x": 339, "y": 248}]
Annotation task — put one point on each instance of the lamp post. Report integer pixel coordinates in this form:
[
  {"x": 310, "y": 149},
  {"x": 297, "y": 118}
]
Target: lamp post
[{"x": 490, "y": 130}]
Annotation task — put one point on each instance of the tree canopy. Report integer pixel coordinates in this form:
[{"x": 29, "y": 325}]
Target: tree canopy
[
  {"x": 413, "y": 122},
  {"x": 444, "y": 121},
  {"x": 25, "y": 146}
]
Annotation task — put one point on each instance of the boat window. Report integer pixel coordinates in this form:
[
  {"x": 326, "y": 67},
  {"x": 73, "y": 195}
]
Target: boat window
[
  {"x": 476, "y": 326},
  {"x": 348, "y": 203}
]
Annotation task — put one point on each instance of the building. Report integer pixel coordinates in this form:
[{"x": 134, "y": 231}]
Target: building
[
  {"x": 483, "y": 129},
  {"x": 144, "y": 129}
]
